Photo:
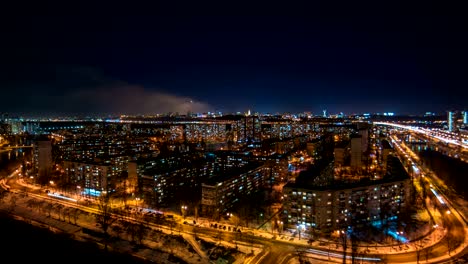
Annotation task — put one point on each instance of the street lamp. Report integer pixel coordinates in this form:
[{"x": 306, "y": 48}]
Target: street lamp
[
  {"x": 183, "y": 209},
  {"x": 299, "y": 229},
  {"x": 399, "y": 237},
  {"x": 78, "y": 190},
  {"x": 280, "y": 226},
  {"x": 435, "y": 228},
  {"x": 52, "y": 185}
]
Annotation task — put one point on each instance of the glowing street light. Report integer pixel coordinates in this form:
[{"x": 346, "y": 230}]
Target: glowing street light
[
  {"x": 299, "y": 229},
  {"x": 183, "y": 209},
  {"x": 280, "y": 226}
]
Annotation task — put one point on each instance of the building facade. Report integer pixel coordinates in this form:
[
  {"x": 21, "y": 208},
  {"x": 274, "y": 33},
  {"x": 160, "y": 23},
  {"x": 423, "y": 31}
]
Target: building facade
[
  {"x": 221, "y": 193},
  {"x": 338, "y": 206},
  {"x": 42, "y": 159}
]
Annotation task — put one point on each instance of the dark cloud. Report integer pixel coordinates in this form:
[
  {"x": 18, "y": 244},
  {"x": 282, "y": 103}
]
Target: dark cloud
[
  {"x": 86, "y": 90},
  {"x": 133, "y": 99}
]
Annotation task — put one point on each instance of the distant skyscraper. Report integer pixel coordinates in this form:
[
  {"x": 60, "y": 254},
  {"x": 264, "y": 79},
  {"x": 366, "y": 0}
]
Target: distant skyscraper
[
  {"x": 452, "y": 118},
  {"x": 465, "y": 117}
]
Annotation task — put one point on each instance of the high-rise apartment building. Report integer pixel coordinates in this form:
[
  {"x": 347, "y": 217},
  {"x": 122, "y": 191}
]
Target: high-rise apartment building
[
  {"x": 364, "y": 139},
  {"x": 219, "y": 194},
  {"x": 452, "y": 118},
  {"x": 347, "y": 204},
  {"x": 356, "y": 151},
  {"x": 42, "y": 159}
]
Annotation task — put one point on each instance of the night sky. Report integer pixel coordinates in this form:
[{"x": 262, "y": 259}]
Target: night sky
[{"x": 111, "y": 58}]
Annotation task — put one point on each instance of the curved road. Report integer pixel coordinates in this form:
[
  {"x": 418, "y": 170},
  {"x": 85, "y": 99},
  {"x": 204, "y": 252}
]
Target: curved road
[{"x": 279, "y": 251}]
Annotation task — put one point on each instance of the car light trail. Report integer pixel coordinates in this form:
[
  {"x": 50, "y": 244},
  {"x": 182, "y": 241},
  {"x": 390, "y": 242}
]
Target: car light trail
[
  {"x": 441, "y": 200},
  {"x": 398, "y": 236},
  {"x": 425, "y": 132},
  {"x": 336, "y": 255},
  {"x": 61, "y": 197}
]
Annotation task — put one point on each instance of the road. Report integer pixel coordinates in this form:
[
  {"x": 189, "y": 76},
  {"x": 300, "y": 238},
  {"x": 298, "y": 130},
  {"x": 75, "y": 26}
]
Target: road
[
  {"x": 452, "y": 218},
  {"x": 453, "y": 144},
  {"x": 282, "y": 251}
]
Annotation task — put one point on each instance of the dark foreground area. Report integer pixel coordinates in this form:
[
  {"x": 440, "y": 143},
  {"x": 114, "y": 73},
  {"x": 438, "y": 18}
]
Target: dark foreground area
[{"x": 25, "y": 243}]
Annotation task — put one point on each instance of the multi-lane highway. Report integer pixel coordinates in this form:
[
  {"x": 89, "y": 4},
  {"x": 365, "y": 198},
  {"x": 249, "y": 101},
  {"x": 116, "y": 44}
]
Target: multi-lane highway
[{"x": 455, "y": 144}]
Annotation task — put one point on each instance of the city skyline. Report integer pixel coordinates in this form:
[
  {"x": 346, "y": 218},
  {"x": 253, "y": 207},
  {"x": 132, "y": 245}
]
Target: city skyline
[{"x": 158, "y": 59}]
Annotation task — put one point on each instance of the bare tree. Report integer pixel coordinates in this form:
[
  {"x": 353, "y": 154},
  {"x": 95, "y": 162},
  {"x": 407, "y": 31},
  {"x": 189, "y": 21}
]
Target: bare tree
[
  {"x": 141, "y": 233},
  {"x": 156, "y": 234},
  {"x": 354, "y": 247},
  {"x": 450, "y": 242},
  {"x": 104, "y": 217},
  {"x": 427, "y": 252},
  {"x": 66, "y": 213},
  {"x": 31, "y": 203},
  {"x": 117, "y": 229},
  {"x": 131, "y": 231},
  {"x": 121, "y": 189},
  {"x": 195, "y": 207},
  {"x": 170, "y": 243},
  {"x": 23, "y": 193},
  {"x": 75, "y": 213},
  {"x": 171, "y": 225},
  {"x": 3, "y": 194},
  {"x": 58, "y": 208},
  {"x": 137, "y": 232},
  {"x": 418, "y": 244},
  {"x": 300, "y": 255},
  {"x": 344, "y": 243},
  {"x": 40, "y": 206},
  {"x": 13, "y": 200},
  {"x": 48, "y": 208}
]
